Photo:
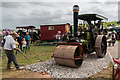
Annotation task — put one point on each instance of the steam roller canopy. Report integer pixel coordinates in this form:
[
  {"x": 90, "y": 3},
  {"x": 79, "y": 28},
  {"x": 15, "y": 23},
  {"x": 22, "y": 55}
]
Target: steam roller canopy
[{"x": 66, "y": 54}]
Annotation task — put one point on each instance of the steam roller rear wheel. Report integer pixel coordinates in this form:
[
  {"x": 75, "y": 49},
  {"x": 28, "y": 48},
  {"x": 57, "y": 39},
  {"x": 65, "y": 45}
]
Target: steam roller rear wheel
[
  {"x": 65, "y": 55},
  {"x": 101, "y": 44}
]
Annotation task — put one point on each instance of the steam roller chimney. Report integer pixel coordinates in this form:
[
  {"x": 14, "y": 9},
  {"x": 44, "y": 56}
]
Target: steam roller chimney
[{"x": 75, "y": 19}]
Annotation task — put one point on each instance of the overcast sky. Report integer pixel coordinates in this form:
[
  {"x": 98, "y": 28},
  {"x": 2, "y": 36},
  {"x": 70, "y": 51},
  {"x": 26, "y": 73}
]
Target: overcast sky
[{"x": 44, "y": 13}]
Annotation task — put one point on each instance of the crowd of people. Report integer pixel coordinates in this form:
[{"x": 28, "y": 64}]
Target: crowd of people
[
  {"x": 112, "y": 37},
  {"x": 14, "y": 41},
  {"x": 62, "y": 38},
  {"x": 21, "y": 42}
]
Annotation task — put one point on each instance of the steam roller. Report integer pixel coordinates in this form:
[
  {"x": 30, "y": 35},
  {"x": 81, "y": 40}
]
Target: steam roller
[{"x": 81, "y": 42}]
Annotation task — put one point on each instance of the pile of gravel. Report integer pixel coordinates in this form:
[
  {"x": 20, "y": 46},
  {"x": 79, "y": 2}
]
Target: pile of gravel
[{"x": 91, "y": 65}]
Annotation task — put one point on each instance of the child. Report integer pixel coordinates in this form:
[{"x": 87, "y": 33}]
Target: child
[
  {"x": 58, "y": 36},
  {"x": 24, "y": 45},
  {"x": 16, "y": 43}
]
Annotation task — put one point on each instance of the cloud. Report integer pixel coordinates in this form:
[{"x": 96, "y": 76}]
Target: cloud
[
  {"x": 0, "y": 15},
  {"x": 41, "y": 4},
  {"x": 60, "y": 0},
  {"x": 10, "y": 4},
  {"x": 41, "y": 13},
  {"x": 119, "y": 10}
]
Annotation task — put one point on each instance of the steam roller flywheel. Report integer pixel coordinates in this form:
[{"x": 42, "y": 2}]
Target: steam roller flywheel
[
  {"x": 66, "y": 54},
  {"x": 101, "y": 44}
]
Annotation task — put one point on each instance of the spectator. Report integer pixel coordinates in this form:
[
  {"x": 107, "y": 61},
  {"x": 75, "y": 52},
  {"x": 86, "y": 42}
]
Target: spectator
[
  {"x": 105, "y": 31},
  {"x": 17, "y": 44},
  {"x": 28, "y": 40},
  {"x": 9, "y": 47},
  {"x": 24, "y": 45},
  {"x": 69, "y": 36},
  {"x": 2, "y": 42},
  {"x": 19, "y": 38},
  {"x": 58, "y": 36},
  {"x": 113, "y": 36},
  {"x": 64, "y": 37},
  {"x": 4, "y": 37}
]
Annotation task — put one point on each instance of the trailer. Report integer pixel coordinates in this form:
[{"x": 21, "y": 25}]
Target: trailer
[{"x": 49, "y": 31}]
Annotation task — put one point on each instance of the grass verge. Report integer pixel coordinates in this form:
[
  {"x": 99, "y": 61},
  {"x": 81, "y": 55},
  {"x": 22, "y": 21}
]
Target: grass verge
[{"x": 35, "y": 55}]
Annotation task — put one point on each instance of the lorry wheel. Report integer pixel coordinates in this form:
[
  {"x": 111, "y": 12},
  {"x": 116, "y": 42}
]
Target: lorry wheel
[{"x": 101, "y": 45}]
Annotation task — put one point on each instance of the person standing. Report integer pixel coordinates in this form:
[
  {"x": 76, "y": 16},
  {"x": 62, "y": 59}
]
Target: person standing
[
  {"x": 28, "y": 40},
  {"x": 99, "y": 26},
  {"x": 64, "y": 37},
  {"x": 113, "y": 36},
  {"x": 19, "y": 38},
  {"x": 0, "y": 40},
  {"x": 9, "y": 47},
  {"x": 17, "y": 44},
  {"x": 58, "y": 36},
  {"x": 105, "y": 31},
  {"x": 24, "y": 45}
]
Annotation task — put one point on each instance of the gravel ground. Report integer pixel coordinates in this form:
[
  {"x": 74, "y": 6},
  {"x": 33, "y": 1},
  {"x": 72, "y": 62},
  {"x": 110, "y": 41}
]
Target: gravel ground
[{"x": 91, "y": 65}]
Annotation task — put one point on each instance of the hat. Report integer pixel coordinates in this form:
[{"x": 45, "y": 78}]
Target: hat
[
  {"x": 15, "y": 34},
  {"x": 8, "y": 32}
]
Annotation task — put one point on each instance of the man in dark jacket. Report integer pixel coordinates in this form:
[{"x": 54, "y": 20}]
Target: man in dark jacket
[
  {"x": 99, "y": 26},
  {"x": 19, "y": 39}
]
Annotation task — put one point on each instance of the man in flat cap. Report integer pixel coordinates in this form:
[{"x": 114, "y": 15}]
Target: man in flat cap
[{"x": 9, "y": 48}]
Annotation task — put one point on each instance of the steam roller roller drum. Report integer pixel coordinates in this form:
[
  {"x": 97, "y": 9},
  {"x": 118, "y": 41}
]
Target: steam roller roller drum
[{"x": 66, "y": 54}]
